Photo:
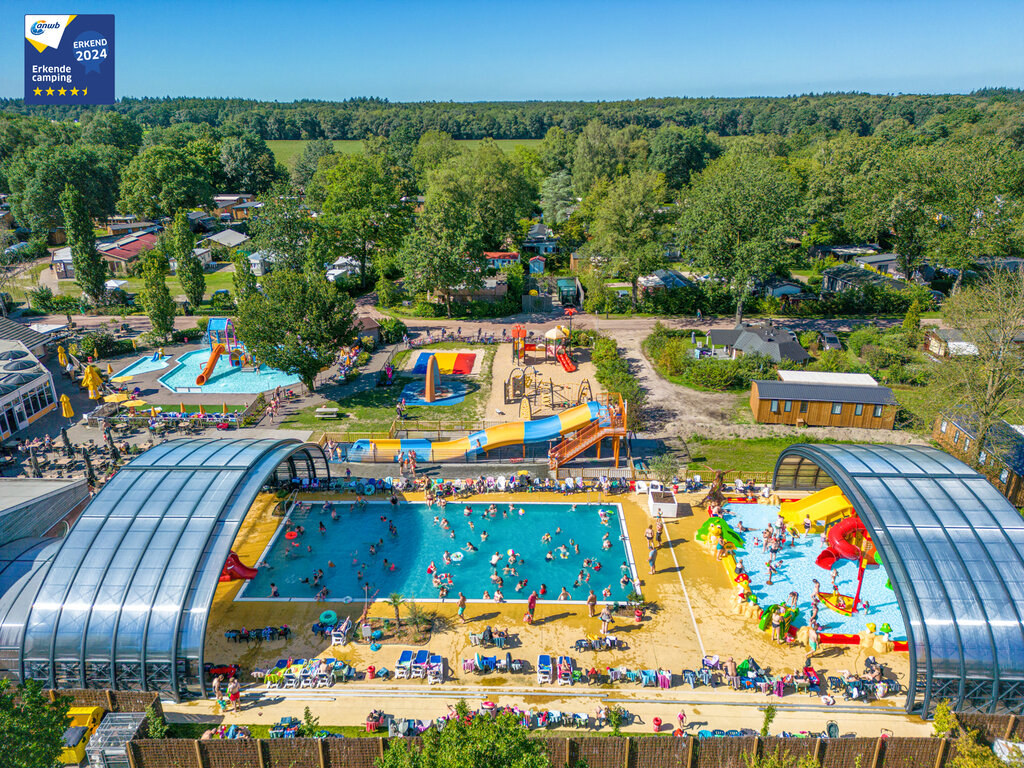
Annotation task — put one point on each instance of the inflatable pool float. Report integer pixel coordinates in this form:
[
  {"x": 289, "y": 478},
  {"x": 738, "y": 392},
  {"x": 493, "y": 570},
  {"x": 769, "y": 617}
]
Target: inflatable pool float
[
  {"x": 329, "y": 617},
  {"x": 456, "y": 557},
  {"x": 291, "y": 535},
  {"x": 346, "y": 599},
  {"x": 833, "y": 602}
]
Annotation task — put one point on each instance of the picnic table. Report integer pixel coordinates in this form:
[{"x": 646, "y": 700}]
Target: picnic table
[{"x": 325, "y": 412}]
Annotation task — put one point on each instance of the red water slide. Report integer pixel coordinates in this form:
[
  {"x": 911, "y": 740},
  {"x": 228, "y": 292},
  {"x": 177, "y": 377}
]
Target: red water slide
[
  {"x": 234, "y": 569},
  {"x": 568, "y": 364},
  {"x": 839, "y": 547}
]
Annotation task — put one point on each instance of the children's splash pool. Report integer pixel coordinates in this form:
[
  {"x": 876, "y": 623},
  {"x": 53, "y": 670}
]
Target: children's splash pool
[
  {"x": 145, "y": 364},
  {"x": 225, "y": 379},
  {"x": 797, "y": 570},
  {"x": 419, "y": 541}
]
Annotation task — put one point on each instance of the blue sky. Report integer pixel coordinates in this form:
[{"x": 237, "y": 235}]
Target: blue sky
[{"x": 555, "y": 49}]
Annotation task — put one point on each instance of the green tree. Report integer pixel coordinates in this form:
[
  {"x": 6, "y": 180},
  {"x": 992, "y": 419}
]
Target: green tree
[
  {"x": 283, "y": 226},
  {"x": 943, "y": 719},
  {"x": 396, "y": 601},
  {"x": 156, "y": 725},
  {"x": 483, "y": 742},
  {"x": 362, "y": 209},
  {"x": 986, "y": 387},
  {"x": 444, "y": 251},
  {"x": 38, "y": 176},
  {"x": 248, "y": 163},
  {"x": 90, "y": 269},
  {"x": 681, "y": 152},
  {"x": 309, "y": 160},
  {"x": 297, "y": 323},
  {"x": 912, "y": 320},
  {"x": 155, "y": 297},
  {"x": 557, "y": 200},
  {"x": 160, "y": 181},
  {"x": 244, "y": 280},
  {"x": 181, "y": 245},
  {"x": 32, "y": 726},
  {"x": 971, "y": 753},
  {"x": 735, "y": 220},
  {"x": 556, "y": 150},
  {"x": 495, "y": 189},
  {"x": 629, "y": 226},
  {"x": 434, "y": 149},
  {"x": 112, "y": 129}
]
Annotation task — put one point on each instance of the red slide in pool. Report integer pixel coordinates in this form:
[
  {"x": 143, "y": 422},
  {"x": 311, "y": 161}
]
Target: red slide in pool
[
  {"x": 839, "y": 548},
  {"x": 568, "y": 364},
  {"x": 234, "y": 569}
]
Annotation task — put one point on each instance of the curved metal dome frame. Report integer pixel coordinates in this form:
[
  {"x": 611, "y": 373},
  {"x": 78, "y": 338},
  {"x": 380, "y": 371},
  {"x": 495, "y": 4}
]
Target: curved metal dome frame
[
  {"x": 123, "y": 602},
  {"x": 953, "y": 548}
]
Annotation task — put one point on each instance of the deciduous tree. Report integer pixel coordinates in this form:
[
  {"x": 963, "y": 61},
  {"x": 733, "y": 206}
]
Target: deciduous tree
[
  {"x": 433, "y": 150},
  {"x": 629, "y": 226},
  {"x": 249, "y": 165},
  {"x": 681, "y": 152},
  {"x": 244, "y": 280},
  {"x": 161, "y": 180},
  {"x": 90, "y": 269},
  {"x": 155, "y": 296},
  {"x": 297, "y": 323},
  {"x": 181, "y": 244},
  {"x": 557, "y": 200},
  {"x": 987, "y": 386},
  {"x": 309, "y": 160},
  {"x": 735, "y": 220},
  {"x": 32, "y": 726},
  {"x": 283, "y": 226}
]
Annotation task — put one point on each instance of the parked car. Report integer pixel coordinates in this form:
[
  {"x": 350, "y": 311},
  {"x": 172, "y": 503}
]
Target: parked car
[{"x": 829, "y": 340}]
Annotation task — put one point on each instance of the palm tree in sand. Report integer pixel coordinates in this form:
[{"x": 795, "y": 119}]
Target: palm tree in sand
[{"x": 396, "y": 601}]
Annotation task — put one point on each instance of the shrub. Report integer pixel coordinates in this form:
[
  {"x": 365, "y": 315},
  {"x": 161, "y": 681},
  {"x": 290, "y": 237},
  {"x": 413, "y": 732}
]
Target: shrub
[
  {"x": 712, "y": 374},
  {"x": 188, "y": 334},
  {"x": 392, "y": 330},
  {"x": 362, "y": 359},
  {"x": 862, "y": 335},
  {"x": 41, "y": 299},
  {"x": 101, "y": 344},
  {"x": 808, "y": 339},
  {"x": 426, "y": 309},
  {"x": 66, "y": 305},
  {"x": 202, "y": 323},
  {"x": 222, "y": 301}
]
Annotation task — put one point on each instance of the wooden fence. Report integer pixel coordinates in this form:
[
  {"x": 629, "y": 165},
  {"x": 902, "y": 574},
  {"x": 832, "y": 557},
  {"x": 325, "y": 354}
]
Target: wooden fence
[
  {"x": 112, "y": 701},
  {"x": 603, "y": 752}
]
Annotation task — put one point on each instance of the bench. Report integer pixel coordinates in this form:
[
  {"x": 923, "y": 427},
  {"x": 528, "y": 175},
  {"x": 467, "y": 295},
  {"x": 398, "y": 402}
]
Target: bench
[{"x": 326, "y": 413}]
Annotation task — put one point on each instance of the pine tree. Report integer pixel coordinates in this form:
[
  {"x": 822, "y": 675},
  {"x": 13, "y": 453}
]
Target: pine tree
[
  {"x": 912, "y": 321},
  {"x": 190, "y": 270},
  {"x": 90, "y": 269},
  {"x": 156, "y": 298}
]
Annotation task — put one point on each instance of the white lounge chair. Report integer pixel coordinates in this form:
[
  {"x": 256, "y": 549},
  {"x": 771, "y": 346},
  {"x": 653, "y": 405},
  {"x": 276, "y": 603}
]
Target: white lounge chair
[
  {"x": 543, "y": 669},
  {"x": 419, "y": 664},
  {"x": 435, "y": 670},
  {"x": 403, "y": 667}
]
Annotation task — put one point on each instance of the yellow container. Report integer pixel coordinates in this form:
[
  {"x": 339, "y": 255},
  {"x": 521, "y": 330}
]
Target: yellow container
[{"x": 84, "y": 722}]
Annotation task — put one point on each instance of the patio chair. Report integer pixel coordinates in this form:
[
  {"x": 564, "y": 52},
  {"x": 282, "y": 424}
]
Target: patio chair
[
  {"x": 403, "y": 667},
  {"x": 543, "y": 669},
  {"x": 648, "y": 678},
  {"x": 581, "y": 720},
  {"x": 419, "y": 664},
  {"x": 832, "y": 729},
  {"x": 704, "y": 733},
  {"x": 706, "y": 675},
  {"x": 435, "y": 670},
  {"x": 690, "y": 678}
]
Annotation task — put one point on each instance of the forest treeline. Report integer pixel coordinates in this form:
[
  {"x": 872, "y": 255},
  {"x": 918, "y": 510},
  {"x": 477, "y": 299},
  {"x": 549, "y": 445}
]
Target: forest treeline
[{"x": 358, "y": 118}]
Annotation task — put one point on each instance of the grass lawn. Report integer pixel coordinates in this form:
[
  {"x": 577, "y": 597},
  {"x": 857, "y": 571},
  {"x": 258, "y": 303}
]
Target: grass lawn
[
  {"x": 753, "y": 455},
  {"x": 223, "y": 277},
  {"x": 287, "y": 151},
  {"x": 373, "y": 410},
  {"x": 27, "y": 281}
]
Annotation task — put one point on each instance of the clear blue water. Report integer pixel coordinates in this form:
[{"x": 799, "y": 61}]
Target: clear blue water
[
  {"x": 225, "y": 378},
  {"x": 419, "y": 541},
  {"x": 145, "y": 365},
  {"x": 799, "y": 570}
]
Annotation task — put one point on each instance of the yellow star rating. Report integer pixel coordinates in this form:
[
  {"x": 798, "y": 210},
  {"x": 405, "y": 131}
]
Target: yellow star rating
[
  {"x": 85, "y": 91},
  {"x": 49, "y": 91},
  {"x": 62, "y": 91},
  {"x": 74, "y": 91},
  {"x": 38, "y": 91}
]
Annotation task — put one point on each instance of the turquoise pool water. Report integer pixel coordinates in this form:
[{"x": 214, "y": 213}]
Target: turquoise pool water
[
  {"x": 225, "y": 378},
  {"x": 798, "y": 570},
  {"x": 145, "y": 365},
  {"x": 346, "y": 543}
]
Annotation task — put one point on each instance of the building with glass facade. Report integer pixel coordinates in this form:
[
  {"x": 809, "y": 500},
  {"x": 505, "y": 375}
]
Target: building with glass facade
[
  {"x": 953, "y": 548},
  {"x": 26, "y": 388},
  {"x": 122, "y": 601}
]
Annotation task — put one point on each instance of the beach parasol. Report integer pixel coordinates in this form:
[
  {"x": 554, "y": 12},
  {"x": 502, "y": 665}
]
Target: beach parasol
[
  {"x": 67, "y": 441},
  {"x": 202, "y": 410},
  {"x": 122, "y": 379},
  {"x": 65, "y": 407},
  {"x": 34, "y": 462},
  {"x": 117, "y": 397},
  {"x": 556, "y": 333},
  {"x": 224, "y": 408},
  {"x": 110, "y": 370},
  {"x": 90, "y": 474},
  {"x": 93, "y": 381},
  {"x": 155, "y": 410},
  {"x": 134, "y": 345},
  {"x": 62, "y": 356}
]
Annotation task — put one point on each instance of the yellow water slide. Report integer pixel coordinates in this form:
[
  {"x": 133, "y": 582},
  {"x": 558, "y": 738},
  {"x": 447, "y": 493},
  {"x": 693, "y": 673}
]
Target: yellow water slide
[{"x": 824, "y": 507}]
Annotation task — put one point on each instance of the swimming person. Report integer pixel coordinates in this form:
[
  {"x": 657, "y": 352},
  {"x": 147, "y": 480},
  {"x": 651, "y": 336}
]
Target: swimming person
[
  {"x": 549, "y": 556},
  {"x": 469, "y": 547},
  {"x": 564, "y": 594}
]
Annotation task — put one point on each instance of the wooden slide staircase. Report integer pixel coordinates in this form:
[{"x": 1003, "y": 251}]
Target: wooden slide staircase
[{"x": 592, "y": 434}]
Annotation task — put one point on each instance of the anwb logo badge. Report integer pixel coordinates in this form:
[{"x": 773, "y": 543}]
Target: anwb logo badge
[{"x": 69, "y": 59}]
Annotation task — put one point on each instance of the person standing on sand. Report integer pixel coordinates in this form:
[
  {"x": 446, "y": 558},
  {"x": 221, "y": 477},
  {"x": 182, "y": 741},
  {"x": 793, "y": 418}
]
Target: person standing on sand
[
  {"x": 531, "y": 605},
  {"x": 591, "y": 603},
  {"x": 652, "y": 556},
  {"x": 462, "y": 608},
  {"x": 234, "y": 693},
  {"x": 218, "y": 681},
  {"x": 606, "y": 617},
  {"x": 659, "y": 530}
]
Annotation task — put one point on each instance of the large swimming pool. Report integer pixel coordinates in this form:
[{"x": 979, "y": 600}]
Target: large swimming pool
[
  {"x": 798, "y": 570},
  {"x": 225, "y": 378},
  {"x": 419, "y": 541}
]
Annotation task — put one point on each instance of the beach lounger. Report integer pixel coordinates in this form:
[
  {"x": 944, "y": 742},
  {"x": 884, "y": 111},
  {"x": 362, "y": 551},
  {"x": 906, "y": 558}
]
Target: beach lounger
[
  {"x": 690, "y": 678},
  {"x": 706, "y": 676},
  {"x": 543, "y": 669},
  {"x": 326, "y": 677},
  {"x": 435, "y": 670},
  {"x": 564, "y": 677},
  {"x": 703, "y": 733},
  {"x": 648, "y": 678},
  {"x": 290, "y": 680},
  {"x": 403, "y": 667},
  {"x": 832, "y": 729},
  {"x": 419, "y": 664}
]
